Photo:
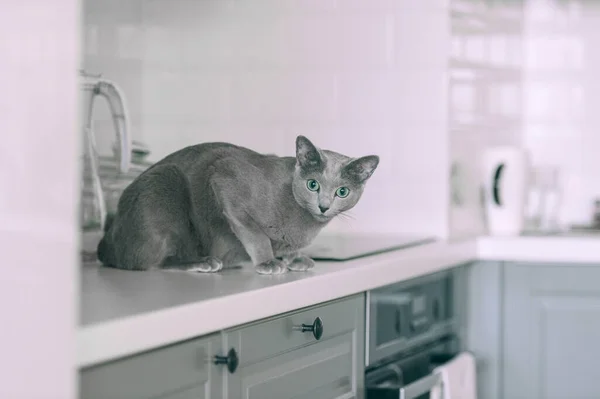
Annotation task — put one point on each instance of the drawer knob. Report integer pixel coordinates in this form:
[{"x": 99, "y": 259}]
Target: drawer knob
[
  {"x": 231, "y": 360},
  {"x": 316, "y": 328}
]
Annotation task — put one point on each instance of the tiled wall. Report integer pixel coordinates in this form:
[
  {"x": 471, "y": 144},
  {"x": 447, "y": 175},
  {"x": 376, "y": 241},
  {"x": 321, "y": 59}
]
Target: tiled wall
[
  {"x": 533, "y": 79},
  {"x": 356, "y": 76},
  {"x": 562, "y": 98},
  {"x": 485, "y": 99}
]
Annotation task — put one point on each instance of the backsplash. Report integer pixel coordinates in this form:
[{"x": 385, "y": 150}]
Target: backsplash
[
  {"x": 484, "y": 99},
  {"x": 358, "y": 77},
  {"x": 562, "y": 98},
  {"x": 524, "y": 73}
]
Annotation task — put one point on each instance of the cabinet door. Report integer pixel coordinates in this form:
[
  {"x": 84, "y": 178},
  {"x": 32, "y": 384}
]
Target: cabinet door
[
  {"x": 551, "y": 331},
  {"x": 329, "y": 368},
  {"x": 482, "y": 296},
  {"x": 180, "y": 371}
]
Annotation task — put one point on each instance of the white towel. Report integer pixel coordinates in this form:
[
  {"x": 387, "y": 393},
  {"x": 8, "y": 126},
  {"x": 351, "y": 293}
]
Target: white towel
[{"x": 458, "y": 379}]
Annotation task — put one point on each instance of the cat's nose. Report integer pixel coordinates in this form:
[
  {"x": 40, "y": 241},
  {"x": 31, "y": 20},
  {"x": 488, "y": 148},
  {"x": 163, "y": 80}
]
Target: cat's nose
[{"x": 323, "y": 208}]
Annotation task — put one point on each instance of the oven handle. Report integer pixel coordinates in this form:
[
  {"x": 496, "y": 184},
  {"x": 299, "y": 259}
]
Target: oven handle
[{"x": 420, "y": 387}]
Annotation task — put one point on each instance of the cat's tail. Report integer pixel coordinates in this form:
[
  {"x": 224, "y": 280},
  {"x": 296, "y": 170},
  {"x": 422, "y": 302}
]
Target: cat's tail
[
  {"x": 110, "y": 218},
  {"x": 103, "y": 249}
]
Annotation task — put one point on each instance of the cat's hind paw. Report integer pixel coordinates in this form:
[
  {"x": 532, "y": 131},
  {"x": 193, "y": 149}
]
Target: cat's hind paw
[
  {"x": 209, "y": 264},
  {"x": 300, "y": 263},
  {"x": 273, "y": 266}
]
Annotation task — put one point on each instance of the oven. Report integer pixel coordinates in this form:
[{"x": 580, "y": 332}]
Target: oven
[{"x": 412, "y": 327}]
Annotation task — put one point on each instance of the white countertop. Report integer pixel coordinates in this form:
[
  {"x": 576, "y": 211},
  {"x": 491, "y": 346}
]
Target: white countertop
[
  {"x": 566, "y": 249},
  {"x": 124, "y": 312}
]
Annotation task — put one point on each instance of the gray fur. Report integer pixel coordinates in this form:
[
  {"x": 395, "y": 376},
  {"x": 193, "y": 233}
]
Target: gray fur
[{"x": 218, "y": 205}]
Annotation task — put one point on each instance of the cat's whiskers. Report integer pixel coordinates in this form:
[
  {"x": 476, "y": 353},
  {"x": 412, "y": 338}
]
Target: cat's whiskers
[{"x": 346, "y": 216}]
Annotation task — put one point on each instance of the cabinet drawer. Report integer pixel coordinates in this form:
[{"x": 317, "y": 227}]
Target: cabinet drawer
[
  {"x": 321, "y": 371},
  {"x": 166, "y": 372},
  {"x": 268, "y": 338}
]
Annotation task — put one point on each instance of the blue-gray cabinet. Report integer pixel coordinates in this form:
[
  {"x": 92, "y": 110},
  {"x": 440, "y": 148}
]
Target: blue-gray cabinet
[
  {"x": 551, "y": 331},
  {"x": 279, "y": 360},
  {"x": 315, "y": 353},
  {"x": 182, "y": 371},
  {"x": 483, "y": 308}
]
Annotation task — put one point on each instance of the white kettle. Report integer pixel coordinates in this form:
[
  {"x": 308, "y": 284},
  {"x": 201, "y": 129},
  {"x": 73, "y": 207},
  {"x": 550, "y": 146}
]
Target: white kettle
[
  {"x": 93, "y": 206},
  {"x": 505, "y": 184}
]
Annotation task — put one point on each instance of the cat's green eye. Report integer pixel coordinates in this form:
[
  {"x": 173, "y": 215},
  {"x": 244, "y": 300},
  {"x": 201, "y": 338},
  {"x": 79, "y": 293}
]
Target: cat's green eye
[
  {"x": 313, "y": 185},
  {"x": 342, "y": 192}
]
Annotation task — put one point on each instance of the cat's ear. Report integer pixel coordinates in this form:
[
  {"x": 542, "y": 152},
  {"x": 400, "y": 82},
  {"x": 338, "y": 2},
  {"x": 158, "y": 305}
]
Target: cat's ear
[
  {"x": 307, "y": 155},
  {"x": 361, "y": 169}
]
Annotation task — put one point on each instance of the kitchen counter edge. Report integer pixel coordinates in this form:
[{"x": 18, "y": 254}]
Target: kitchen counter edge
[{"x": 583, "y": 249}]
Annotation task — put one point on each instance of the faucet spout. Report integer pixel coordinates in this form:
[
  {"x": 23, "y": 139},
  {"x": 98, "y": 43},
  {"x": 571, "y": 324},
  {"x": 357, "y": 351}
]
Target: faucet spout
[{"x": 117, "y": 105}]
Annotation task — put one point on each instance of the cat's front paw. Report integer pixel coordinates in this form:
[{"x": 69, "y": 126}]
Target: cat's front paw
[
  {"x": 300, "y": 263},
  {"x": 273, "y": 266},
  {"x": 208, "y": 264}
]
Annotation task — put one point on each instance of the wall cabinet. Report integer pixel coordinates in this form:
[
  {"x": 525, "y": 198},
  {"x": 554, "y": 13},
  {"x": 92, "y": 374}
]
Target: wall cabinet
[
  {"x": 551, "y": 331},
  {"x": 315, "y": 353}
]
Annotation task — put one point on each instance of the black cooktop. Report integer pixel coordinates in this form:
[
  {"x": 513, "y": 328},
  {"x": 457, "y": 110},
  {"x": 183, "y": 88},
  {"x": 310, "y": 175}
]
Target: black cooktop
[{"x": 341, "y": 247}]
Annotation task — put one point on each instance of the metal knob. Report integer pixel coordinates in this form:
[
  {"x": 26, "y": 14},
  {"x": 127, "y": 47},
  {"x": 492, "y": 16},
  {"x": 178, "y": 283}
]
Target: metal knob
[
  {"x": 231, "y": 360},
  {"x": 316, "y": 328}
]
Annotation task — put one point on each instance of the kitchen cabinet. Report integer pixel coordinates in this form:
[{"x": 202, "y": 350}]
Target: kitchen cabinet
[
  {"x": 182, "y": 371},
  {"x": 551, "y": 329},
  {"x": 279, "y": 360},
  {"x": 315, "y": 353},
  {"x": 483, "y": 324}
]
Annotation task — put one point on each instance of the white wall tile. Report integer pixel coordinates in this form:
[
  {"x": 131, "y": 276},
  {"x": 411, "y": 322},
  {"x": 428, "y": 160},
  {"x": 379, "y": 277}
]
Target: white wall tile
[
  {"x": 162, "y": 45},
  {"x": 257, "y": 40},
  {"x": 209, "y": 47},
  {"x": 368, "y": 98},
  {"x": 276, "y": 97},
  {"x": 281, "y": 7},
  {"x": 422, "y": 94},
  {"x": 130, "y": 41},
  {"x": 183, "y": 96},
  {"x": 561, "y": 84},
  {"x": 372, "y": 6},
  {"x": 341, "y": 41},
  {"x": 421, "y": 38}
]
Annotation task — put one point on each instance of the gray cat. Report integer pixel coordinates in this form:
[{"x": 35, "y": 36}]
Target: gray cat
[{"x": 216, "y": 204}]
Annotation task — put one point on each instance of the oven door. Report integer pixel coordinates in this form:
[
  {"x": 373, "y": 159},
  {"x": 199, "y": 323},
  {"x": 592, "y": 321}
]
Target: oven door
[
  {"x": 407, "y": 377},
  {"x": 419, "y": 389},
  {"x": 409, "y": 314}
]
